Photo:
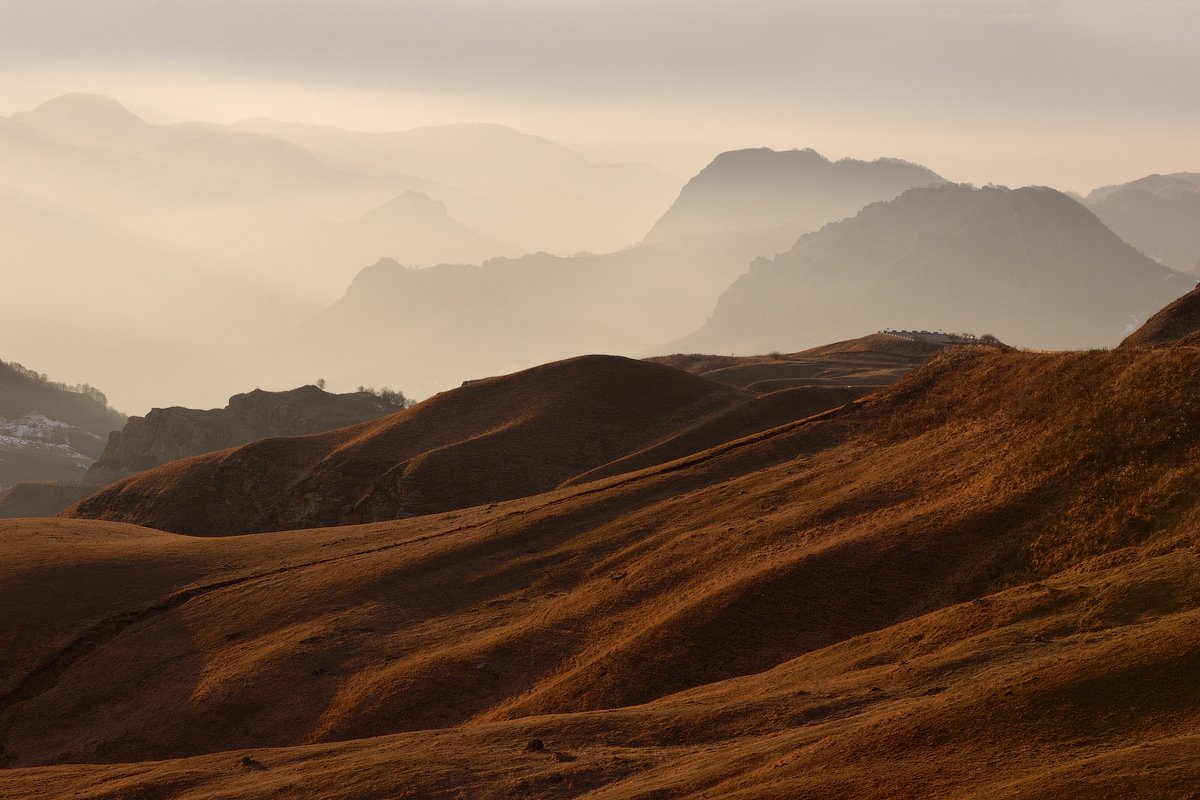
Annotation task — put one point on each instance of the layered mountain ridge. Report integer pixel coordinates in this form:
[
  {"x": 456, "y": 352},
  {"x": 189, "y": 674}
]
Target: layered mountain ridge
[
  {"x": 1157, "y": 214},
  {"x": 1031, "y": 266}
]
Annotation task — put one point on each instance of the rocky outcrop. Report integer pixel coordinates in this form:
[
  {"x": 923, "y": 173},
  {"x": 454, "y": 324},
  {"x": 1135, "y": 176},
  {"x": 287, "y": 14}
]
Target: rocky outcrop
[{"x": 167, "y": 434}]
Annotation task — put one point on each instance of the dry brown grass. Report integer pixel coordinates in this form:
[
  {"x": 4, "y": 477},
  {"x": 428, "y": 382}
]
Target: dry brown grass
[{"x": 981, "y": 582}]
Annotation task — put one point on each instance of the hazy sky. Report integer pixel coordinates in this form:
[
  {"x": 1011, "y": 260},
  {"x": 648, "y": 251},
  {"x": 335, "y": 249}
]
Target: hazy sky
[{"x": 1070, "y": 93}]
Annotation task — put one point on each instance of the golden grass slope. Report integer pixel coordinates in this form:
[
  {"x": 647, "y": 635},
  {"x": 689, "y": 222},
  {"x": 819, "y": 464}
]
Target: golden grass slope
[{"x": 980, "y": 582}]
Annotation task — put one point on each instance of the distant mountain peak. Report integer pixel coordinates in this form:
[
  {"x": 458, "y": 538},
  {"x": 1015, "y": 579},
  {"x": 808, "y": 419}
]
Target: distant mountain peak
[
  {"x": 760, "y": 188},
  {"x": 408, "y": 205},
  {"x": 79, "y": 108},
  {"x": 1158, "y": 214}
]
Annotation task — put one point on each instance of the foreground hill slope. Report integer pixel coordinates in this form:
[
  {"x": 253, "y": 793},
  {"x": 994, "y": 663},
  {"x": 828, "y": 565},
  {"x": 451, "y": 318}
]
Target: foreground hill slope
[
  {"x": 797, "y": 189},
  {"x": 167, "y": 434},
  {"x": 949, "y": 588},
  {"x": 1031, "y": 266},
  {"x": 1157, "y": 214}
]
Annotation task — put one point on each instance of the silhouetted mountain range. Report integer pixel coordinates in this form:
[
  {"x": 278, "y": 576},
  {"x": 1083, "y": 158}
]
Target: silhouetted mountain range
[
  {"x": 1031, "y": 266},
  {"x": 432, "y": 328}
]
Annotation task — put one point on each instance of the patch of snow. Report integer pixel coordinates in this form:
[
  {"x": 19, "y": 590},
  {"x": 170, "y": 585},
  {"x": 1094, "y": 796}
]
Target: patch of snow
[
  {"x": 34, "y": 426},
  {"x": 36, "y": 431}
]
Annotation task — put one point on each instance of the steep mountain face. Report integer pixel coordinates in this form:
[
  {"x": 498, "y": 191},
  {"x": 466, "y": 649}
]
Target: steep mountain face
[
  {"x": 48, "y": 431},
  {"x": 1177, "y": 325},
  {"x": 1031, "y": 266},
  {"x": 979, "y": 582},
  {"x": 800, "y": 190},
  {"x": 167, "y": 434},
  {"x": 1158, "y": 214}
]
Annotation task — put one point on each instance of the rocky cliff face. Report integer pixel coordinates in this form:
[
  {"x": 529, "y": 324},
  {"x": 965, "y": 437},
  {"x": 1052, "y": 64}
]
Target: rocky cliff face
[{"x": 167, "y": 434}]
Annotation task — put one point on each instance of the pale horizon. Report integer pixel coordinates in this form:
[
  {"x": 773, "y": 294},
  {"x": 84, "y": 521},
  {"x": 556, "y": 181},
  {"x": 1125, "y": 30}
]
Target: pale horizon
[{"x": 1063, "y": 94}]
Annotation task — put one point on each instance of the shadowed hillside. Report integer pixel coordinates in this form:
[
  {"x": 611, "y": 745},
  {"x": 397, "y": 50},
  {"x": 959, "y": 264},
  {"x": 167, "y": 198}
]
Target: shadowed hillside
[
  {"x": 493, "y": 440},
  {"x": 1030, "y": 266},
  {"x": 950, "y": 588},
  {"x": 497, "y": 439}
]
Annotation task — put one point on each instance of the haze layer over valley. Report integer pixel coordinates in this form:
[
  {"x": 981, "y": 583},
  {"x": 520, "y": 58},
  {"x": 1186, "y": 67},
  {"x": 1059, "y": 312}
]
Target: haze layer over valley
[{"x": 160, "y": 250}]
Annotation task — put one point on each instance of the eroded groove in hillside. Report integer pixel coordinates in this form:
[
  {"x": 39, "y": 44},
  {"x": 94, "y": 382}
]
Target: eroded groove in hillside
[{"x": 44, "y": 677}]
